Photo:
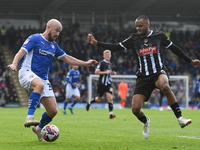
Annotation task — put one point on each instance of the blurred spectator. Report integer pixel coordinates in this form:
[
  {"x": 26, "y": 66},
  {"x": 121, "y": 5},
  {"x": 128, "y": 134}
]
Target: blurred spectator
[
  {"x": 3, "y": 35},
  {"x": 2, "y": 100}
]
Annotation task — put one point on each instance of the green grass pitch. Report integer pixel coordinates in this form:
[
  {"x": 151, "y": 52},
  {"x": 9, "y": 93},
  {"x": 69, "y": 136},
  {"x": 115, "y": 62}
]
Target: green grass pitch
[{"x": 94, "y": 130}]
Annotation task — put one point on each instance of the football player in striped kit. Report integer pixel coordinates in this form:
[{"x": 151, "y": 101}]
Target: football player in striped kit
[
  {"x": 104, "y": 70},
  {"x": 151, "y": 73}
]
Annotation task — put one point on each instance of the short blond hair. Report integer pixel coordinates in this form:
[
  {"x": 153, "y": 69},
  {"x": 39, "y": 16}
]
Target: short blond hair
[{"x": 106, "y": 51}]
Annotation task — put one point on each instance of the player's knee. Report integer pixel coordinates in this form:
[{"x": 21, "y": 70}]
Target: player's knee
[
  {"x": 53, "y": 112},
  {"x": 67, "y": 99},
  {"x": 165, "y": 88},
  {"x": 135, "y": 110},
  {"x": 98, "y": 99},
  {"x": 40, "y": 86},
  {"x": 77, "y": 98}
]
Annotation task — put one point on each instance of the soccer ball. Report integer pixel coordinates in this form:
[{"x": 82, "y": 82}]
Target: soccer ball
[{"x": 50, "y": 133}]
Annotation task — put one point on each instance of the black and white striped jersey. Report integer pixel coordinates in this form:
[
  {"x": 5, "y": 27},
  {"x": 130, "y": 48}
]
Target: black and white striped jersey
[
  {"x": 148, "y": 50},
  {"x": 104, "y": 79}
]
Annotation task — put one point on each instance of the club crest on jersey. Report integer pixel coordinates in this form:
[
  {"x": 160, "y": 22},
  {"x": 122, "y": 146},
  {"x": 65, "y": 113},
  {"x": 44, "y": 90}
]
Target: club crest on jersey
[
  {"x": 145, "y": 42},
  {"x": 53, "y": 46},
  {"x": 109, "y": 66},
  {"x": 31, "y": 76}
]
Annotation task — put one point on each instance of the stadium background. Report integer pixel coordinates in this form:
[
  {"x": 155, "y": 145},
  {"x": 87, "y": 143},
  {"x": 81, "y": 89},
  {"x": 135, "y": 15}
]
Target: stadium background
[{"x": 109, "y": 21}]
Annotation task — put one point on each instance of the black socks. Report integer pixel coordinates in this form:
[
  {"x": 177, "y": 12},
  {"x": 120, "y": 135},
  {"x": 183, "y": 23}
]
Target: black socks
[{"x": 176, "y": 109}]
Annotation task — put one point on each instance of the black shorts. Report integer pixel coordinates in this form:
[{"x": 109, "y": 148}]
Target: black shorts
[
  {"x": 103, "y": 89},
  {"x": 146, "y": 84}
]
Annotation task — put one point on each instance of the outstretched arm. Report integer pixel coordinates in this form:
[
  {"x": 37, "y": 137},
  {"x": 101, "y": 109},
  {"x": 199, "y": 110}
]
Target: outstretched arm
[
  {"x": 112, "y": 47},
  {"x": 176, "y": 50},
  {"x": 73, "y": 61},
  {"x": 103, "y": 72},
  {"x": 16, "y": 59}
]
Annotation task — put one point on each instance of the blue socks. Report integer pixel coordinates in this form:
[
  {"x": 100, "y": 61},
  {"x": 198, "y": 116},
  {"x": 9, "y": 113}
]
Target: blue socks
[
  {"x": 73, "y": 103},
  {"x": 34, "y": 100},
  {"x": 198, "y": 105},
  {"x": 65, "y": 105},
  {"x": 44, "y": 120}
]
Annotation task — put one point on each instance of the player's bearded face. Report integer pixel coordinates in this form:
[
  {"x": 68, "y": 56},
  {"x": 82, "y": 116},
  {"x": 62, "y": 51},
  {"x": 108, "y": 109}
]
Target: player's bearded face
[
  {"x": 51, "y": 38},
  {"x": 143, "y": 32},
  {"x": 53, "y": 34}
]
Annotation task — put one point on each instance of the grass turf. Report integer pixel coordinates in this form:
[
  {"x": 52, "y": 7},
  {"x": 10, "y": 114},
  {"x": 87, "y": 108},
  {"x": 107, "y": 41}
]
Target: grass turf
[{"x": 94, "y": 130}]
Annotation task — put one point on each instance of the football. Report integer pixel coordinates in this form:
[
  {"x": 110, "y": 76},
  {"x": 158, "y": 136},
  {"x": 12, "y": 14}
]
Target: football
[{"x": 50, "y": 133}]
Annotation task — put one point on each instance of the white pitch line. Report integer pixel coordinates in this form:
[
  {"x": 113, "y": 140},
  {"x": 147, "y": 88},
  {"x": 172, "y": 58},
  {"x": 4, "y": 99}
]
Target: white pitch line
[{"x": 189, "y": 137}]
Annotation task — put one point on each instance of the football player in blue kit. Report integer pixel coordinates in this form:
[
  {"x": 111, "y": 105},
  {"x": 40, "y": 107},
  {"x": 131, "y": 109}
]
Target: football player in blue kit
[
  {"x": 38, "y": 51},
  {"x": 197, "y": 92},
  {"x": 72, "y": 88}
]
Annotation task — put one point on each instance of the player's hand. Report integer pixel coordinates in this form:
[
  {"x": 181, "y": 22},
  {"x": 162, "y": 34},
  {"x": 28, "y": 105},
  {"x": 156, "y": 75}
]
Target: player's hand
[
  {"x": 108, "y": 71},
  {"x": 91, "y": 62},
  {"x": 195, "y": 62},
  {"x": 76, "y": 84},
  {"x": 114, "y": 73},
  {"x": 12, "y": 67},
  {"x": 91, "y": 39}
]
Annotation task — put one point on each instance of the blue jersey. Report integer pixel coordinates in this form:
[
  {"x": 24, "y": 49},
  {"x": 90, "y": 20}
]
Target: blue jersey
[
  {"x": 197, "y": 86},
  {"x": 72, "y": 77},
  {"x": 39, "y": 54}
]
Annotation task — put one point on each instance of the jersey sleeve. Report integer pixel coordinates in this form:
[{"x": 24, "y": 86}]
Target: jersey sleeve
[
  {"x": 28, "y": 45},
  {"x": 165, "y": 40},
  {"x": 98, "y": 66},
  {"x": 68, "y": 77},
  {"x": 59, "y": 52},
  {"x": 102, "y": 66},
  {"x": 127, "y": 43}
]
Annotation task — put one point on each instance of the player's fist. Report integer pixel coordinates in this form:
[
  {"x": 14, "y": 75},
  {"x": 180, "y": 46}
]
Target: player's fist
[
  {"x": 12, "y": 67},
  {"x": 114, "y": 73},
  {"x": 91, "y": 39},
  {"x": 195, "y": 63}
]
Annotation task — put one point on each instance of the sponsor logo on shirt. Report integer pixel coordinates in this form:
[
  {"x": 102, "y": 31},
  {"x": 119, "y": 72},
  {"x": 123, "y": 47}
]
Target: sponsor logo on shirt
[
  {"x": 148, "y": 50},
  {"x": 76, "y": 76},
  {"x": 43, "y": 52}
]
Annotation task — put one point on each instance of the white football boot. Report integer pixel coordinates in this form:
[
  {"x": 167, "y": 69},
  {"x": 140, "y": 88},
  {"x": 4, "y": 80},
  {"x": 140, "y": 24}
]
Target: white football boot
[
  {"x": 38, "y": 133},
  {"x": 146, "y": 130},
  {"x": 30, "y": 121},
  {"x": 183, "y": 122}
]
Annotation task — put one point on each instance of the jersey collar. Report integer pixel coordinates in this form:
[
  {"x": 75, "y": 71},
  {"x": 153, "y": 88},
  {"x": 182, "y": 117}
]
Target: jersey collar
[
  {"x": 150, "y": 33},
  {"x": 44, "y": 38},
  {"x": 105, "y": 61}
]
